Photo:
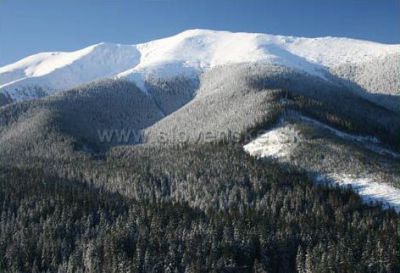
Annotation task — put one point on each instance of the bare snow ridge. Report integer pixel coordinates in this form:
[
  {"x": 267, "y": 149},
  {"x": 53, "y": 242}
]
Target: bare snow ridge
[{"x": 185, "y": 54}]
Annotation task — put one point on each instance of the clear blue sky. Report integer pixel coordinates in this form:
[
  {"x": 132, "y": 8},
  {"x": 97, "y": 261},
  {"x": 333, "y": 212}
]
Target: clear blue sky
[{"x": 31, "y": 26}]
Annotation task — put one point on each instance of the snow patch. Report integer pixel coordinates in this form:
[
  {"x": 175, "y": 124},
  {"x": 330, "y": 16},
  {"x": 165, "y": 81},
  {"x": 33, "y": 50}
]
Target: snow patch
[
  {"x": 367, "y": 187},
  {"x": 277, "y": 143},
  {"x": 281, "y": 140}
]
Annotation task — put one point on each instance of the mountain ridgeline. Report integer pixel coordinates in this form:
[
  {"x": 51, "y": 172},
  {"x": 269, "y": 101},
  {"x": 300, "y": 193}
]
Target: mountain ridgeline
[{"x": 363, "y": 65}]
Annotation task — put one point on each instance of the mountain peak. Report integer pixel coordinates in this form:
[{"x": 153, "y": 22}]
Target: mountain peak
[{"x": 185, "y": 54}]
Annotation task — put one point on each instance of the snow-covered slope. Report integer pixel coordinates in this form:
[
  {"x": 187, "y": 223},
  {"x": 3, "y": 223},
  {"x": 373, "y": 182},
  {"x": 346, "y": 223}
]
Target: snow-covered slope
[
  {"x": 185, "y": 54},
  {"x": 55, "y": 71},
  {"x": 286, "y": 143}
]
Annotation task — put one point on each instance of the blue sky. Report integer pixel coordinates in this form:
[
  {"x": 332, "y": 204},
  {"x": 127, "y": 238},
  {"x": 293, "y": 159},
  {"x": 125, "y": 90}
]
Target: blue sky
[{"x": 31, "y": 26}]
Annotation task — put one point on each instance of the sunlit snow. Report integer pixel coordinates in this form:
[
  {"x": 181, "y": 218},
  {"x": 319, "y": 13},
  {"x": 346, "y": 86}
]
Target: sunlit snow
[
  {"x": 280, "y": 141},
  {"x": 185, "y": 54}
]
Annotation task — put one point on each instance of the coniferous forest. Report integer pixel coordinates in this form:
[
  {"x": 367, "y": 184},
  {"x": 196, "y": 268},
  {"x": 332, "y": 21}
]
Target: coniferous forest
[{"x": 188, "y": 208}]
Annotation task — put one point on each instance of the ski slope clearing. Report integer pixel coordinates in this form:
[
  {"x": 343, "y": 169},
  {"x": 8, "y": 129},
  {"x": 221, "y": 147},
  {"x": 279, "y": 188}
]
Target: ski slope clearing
[{"x": 367, "y": 187}]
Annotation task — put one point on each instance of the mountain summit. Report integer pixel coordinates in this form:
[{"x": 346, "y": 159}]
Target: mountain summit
[{"x": 192, "y": 52}]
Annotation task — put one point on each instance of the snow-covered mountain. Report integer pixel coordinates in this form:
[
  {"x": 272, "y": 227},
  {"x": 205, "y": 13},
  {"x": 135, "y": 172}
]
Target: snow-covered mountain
[
  {"x": 188, "y": 54},
  {"x": 337, "y": 134}
]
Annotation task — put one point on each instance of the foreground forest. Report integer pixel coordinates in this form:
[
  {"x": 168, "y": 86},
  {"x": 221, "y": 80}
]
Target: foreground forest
[{"x": 189, "y": 208}]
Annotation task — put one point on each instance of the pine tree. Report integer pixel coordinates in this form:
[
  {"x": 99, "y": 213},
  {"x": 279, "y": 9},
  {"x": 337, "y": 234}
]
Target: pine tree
[{"x": 300, "y": 260}]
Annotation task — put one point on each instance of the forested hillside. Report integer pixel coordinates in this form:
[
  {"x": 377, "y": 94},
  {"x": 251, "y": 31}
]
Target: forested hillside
[
  {"x": 203, "y": 208},
  {"x": 108, "y": 177}
]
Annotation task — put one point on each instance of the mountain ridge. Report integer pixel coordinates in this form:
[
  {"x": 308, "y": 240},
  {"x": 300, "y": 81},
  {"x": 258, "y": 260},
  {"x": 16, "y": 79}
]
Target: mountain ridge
[{"x": 189, "y": 54}]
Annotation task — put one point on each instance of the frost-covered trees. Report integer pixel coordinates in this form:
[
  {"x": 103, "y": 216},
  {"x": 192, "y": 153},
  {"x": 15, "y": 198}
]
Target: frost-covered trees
[{"x": 202, "y": 208}]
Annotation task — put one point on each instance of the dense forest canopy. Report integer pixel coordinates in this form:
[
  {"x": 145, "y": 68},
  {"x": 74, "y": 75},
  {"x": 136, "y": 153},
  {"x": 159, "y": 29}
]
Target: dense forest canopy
[{"x": 190, "y": 208}]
